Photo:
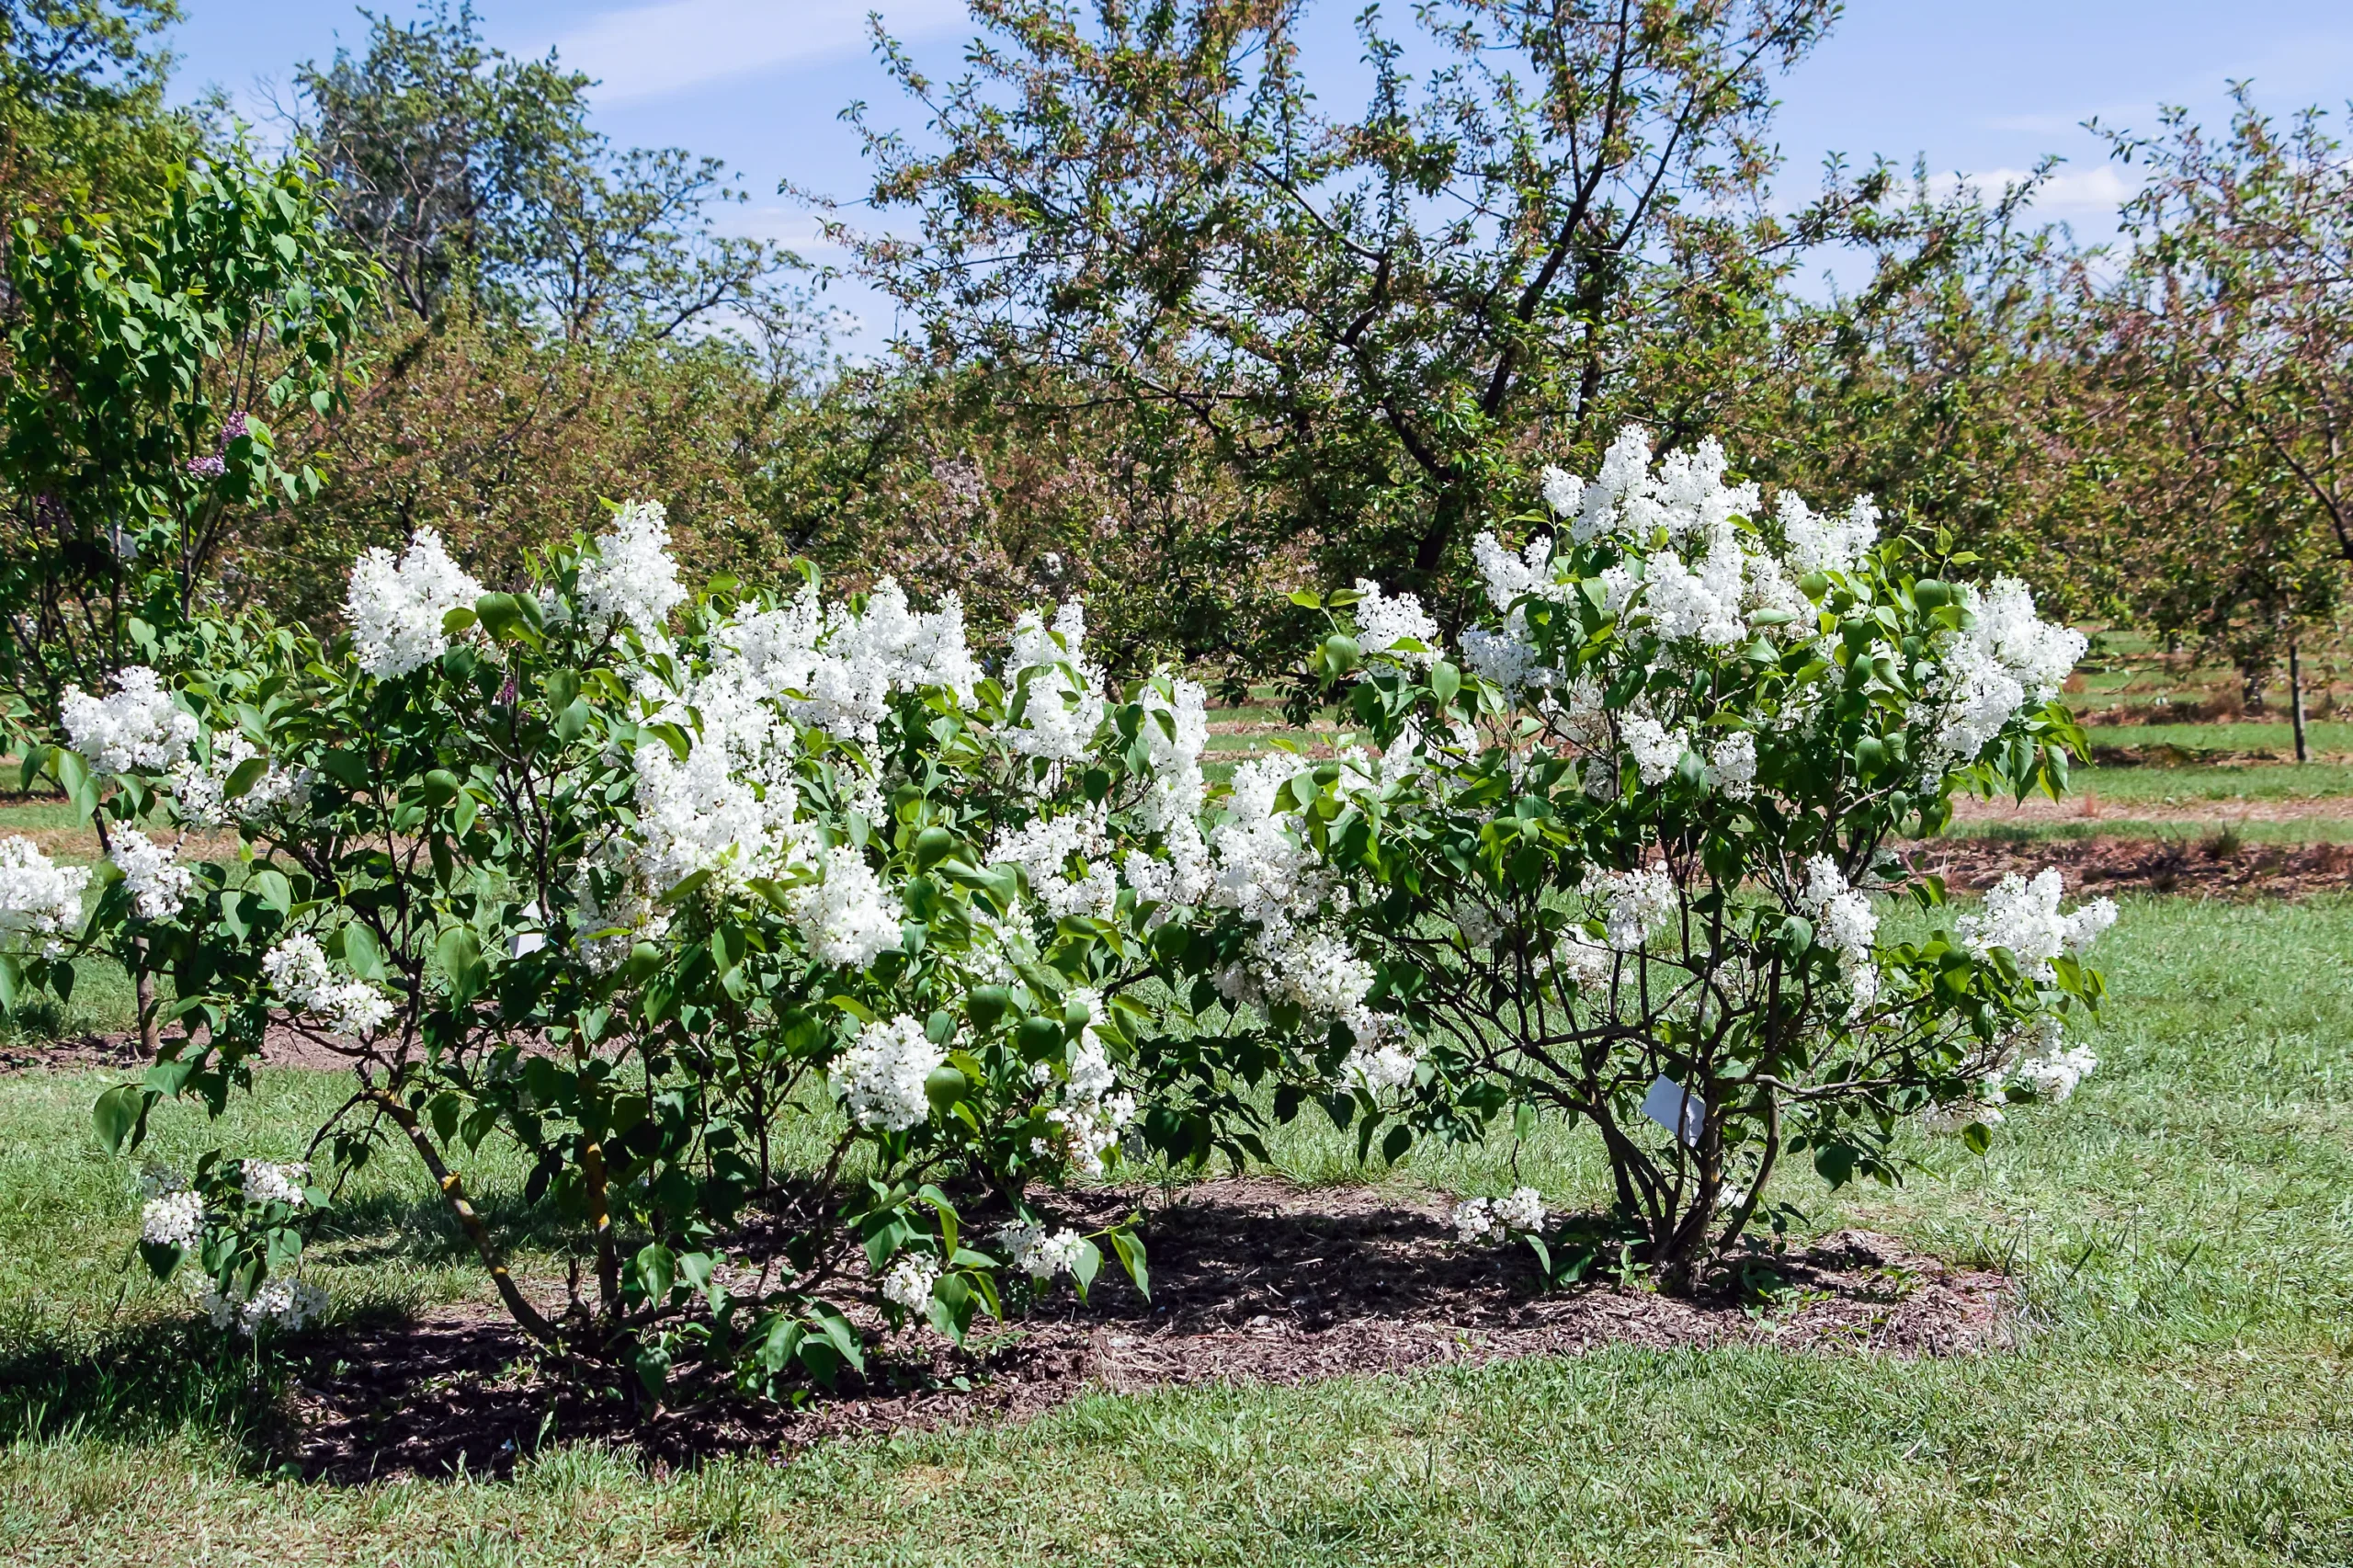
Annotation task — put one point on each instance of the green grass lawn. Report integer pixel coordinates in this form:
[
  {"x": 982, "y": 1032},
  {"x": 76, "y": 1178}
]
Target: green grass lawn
[{"x": 2179, "y": 1392}]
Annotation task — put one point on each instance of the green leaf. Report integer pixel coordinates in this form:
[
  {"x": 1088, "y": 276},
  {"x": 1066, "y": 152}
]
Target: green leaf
[
  {"x": 459, "y": 952},
  {"x": 118, "y": 1114},
  {"x": 501, "y": 616},
  {"x": 1977, "y": 1137},
  {"x": 1085, "y": 1267},
  {"x": 244, "y": 776},
  {"x": 658, "y": 1270},
  {"x": 361, "y": 955},
  {"x": 1131, "y": 1250}
]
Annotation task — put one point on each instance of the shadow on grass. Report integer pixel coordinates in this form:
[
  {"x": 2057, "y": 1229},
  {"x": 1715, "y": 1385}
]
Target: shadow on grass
[
  {"x": 1253, "y": 1281},
  {"x": 384, "y": 1227}
]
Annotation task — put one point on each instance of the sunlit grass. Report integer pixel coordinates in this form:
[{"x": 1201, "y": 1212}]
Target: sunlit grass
[{"x": 2178, "y": 1394}]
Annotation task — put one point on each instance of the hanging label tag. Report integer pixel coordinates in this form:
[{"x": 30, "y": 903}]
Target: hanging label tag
[{"x": 1672, "y": 1107}]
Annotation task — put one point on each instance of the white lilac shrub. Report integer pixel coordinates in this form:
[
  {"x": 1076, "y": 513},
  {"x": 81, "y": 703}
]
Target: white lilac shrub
[
  {"x": 649, "y": 887},
  {"x": 1633, "y": 843}
]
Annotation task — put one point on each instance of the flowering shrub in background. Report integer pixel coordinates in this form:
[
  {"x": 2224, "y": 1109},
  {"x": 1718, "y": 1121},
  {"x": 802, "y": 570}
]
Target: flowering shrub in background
[
  {"x": 664, "y": 893},
  {"x": 1622, "y": 854}
]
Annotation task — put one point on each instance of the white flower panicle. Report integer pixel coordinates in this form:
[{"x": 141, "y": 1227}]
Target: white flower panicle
[
  {"x": 1657, "y": 750},
  {"x": 1701, "y": 602},
  {"x": 395, "y": 607},
  {"x": 135, "y": 728},
  {"x": 1509, "y": 577},
  {"x": 172, "y": 1220},
  {"x": 1847, "y": 922},
  {"x": 41, "y": 902},
  {"x": 158, "y": 887},
  {"x": 845, "y": 916},
  {"x": 282, "y": 1303},
  {"x": 1731, "y": 765},
  {"x": 880, "y": 1077},
  {"x": 1094, "y": 1110},
  {"x": 1386, "y": 620},
  {"x": 1523, "y": 1210},
  {"x": 1065, "y": 706},
  {"x": 298, "y": 971},
  {"x": 2023, "y": 916},
  {"x": 1485, "y": 1220},
  {"x": 1379, "y": 1061},
  {"x": 1562, "y": 489},
  {"x": 1030, "y": 1247},
  {"x": 1046, "y": 847},
  {"x": 1635, "y": 904},
  {"x": 2007, "y": 659},
  {"x": 1176, "y": 732},
  {"x": 1820, "y": 543},
  {"x": 910, "y": 1281},
  {"x": 632, "y": 577},
  {"x": 268, "y": 1182},
  {"x": 201, "y": 790}
]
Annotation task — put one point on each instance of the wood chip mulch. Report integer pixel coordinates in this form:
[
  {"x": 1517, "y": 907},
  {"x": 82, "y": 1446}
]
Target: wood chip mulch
[
  {"x": 1254, "y": 1281},
  {"x": 2212, "y": 867}
]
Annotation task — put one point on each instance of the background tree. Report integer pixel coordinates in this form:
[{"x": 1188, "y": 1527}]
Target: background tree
[
  {"x": 562, "y": 323},
  {"x": 144, "y": 363},
  {"x": 1366, "y": 320},
  {"x": 82, "y": 112},
  {"x": 2235, "y": 339}
]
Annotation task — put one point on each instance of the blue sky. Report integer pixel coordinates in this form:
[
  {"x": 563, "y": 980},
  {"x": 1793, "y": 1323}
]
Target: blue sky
[{"x": 1979, "y": 88}]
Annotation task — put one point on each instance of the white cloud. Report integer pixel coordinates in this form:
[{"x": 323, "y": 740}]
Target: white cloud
[
  {"x": 646, "y": 52},
  {"x": 2067, "y": 193}
]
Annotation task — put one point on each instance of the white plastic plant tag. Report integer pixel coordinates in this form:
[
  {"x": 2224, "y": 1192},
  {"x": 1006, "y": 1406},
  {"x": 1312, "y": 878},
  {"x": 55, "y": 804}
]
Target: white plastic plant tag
[{"x": 1667, "y": 1104}]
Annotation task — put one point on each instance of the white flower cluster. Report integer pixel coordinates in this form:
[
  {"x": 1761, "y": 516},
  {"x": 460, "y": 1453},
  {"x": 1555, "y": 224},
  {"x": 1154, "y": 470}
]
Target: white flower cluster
[
  {"x": 1483, "y": 1220},
  {"x": 40, "y": 901},
  {"x": 201, "y": 788},
  {"x": 844, "y": 916},
  {"x": 268, "y": 1182},
  {"x": 837, "y": 667},
  {"x": 287, "y": 1303},
  {"x": 395, "y": 607},
  {"x": 1378, "y": 1059},
  {"x": 158, "y": 887},
  {"x": 1095, "y": 1110},
  {"x": 730, "y": 806},
  {"x": 880, "y": 1077},
  {"x": 716, "y": 810},
  {"x": 1816, "y": 542},
  {"x": 1064, "y": 706},
  {"x": 1635, "y": 904},
  {"x": 1847, "y": 922},
  {"x": 297, "y": 970},
  {"x": 1030, "y": 1247},
  {"x": 136, "y": 727},
  {"x": 632, "y": 577},
  {"x": 910, "y": 1281},
  {"x": 1176, "y": 732},
  {"x": 1046, "y": 846},
  {"x": 172, "y": 1220},
  {"x": 1386, "y": 620},
  {"x": 2045, "y": 1065},
  {"x": 2024, "y": 918},
  {"x": 2007, "y": 659}
]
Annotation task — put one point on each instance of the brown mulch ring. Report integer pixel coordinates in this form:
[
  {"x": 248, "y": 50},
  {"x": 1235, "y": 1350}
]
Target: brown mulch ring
[
  {"x": 2088, "y": 807},
  {"x": 2213, "y": 866},
  {"x": 1253, "y": 1281}
]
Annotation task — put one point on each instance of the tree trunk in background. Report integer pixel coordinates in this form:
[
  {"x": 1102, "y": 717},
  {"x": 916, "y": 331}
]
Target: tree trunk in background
[{"x": 2296, "y": 701}]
